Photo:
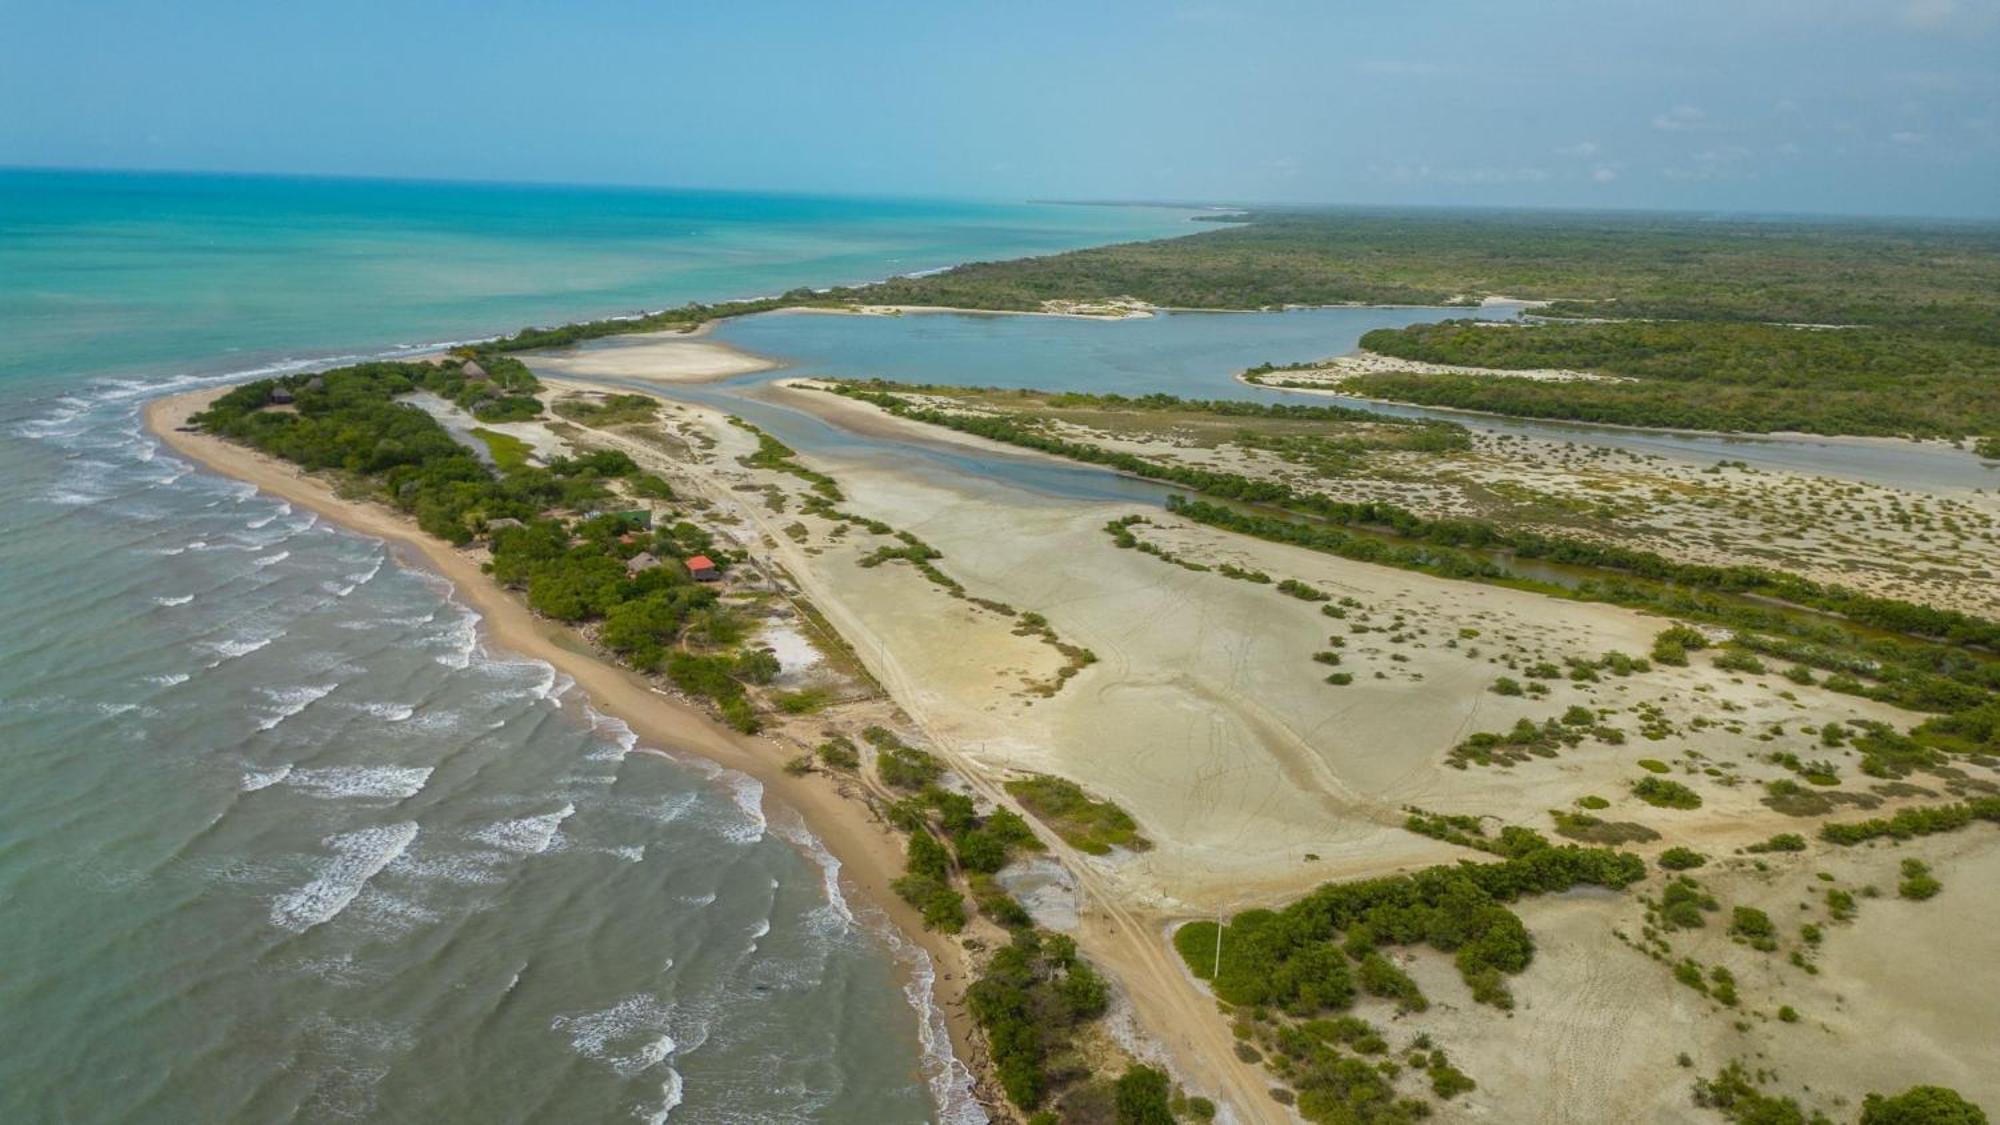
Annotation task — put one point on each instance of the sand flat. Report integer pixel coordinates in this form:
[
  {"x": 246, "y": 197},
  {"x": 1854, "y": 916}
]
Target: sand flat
[{"x": 660, "y": 357}]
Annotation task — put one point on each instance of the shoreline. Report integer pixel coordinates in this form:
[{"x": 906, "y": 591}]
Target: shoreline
[{"x": 868, "y": 852}]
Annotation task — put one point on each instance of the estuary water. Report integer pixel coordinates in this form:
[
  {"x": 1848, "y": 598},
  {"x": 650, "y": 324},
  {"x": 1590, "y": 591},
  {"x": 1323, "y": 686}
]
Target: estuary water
[
  {"x": 1198, "y": 355},
  {"x": 280, "y": 840}
]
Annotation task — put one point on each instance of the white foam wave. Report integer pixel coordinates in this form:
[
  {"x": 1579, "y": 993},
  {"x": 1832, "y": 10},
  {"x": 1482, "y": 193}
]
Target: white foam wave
[
  {"x": 169, "y": 679},
  {"x": 254, "y": 780},
  {"x": 182, "y": 600},
  {"x": 390, "y": 712},
  {"x": 231, "y": 649},
  {"x": 527, "y": 835},
  {"x": 357, "y": 856},
  {"x": 672, "y": 1092},
  {"x": 271, "y": 560},
  {"x": 480, "y": 868},
  {"x": 624, "y": 739},
  {"x": 629, "y": 1036},
  {"x": 950, "y": 1081},
  {"x": 748, "y": 793},
  {"x": 462, "y": 636},
  {"x": 291, "y": 701},
  {"x": 836, "y": 909},
  {"x": 377, "y": 782}
]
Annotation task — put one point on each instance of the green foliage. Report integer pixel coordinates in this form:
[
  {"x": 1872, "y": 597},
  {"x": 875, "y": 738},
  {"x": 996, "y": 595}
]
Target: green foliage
[
  {"x": 1084, "y": 822},
  {"x": 1144, "y": 1097},
  {"x": 1938, "y": 277},
  {"x": 1378, "y": 977},
  {"x": 1294, "y": 959},
  {"x": 1918, "y": 883},
  {"x": 901, "y": 765},
  {"x": 1028, "y": 1002},
  {"x": 1681, "y": 859},
  {"x": 1683, "y": 904},
  {"x": 1753, "y": 926},
  {"x": 1782, "y": 842},
  {"x": 840, "y": 753},
  {"x": 1674, "y": 643},
  {"x": 776, "y": 456},
  {"x": 1693, "y": 374},
  {"x": 1732, "y": 1093},
  {"x": 926, "y": 884},
  {"x": 1915, "y": 821},
  {"x": 1921, "y": 1105},
  {"x": 1661, "y": 793},
  {"x": 610, "y": 409},
  {"x": 509, "y": 452}
]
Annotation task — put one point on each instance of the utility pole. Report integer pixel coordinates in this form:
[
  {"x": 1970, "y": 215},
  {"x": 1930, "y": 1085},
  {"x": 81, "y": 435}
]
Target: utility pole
[{"x": 1218, "y": 950}]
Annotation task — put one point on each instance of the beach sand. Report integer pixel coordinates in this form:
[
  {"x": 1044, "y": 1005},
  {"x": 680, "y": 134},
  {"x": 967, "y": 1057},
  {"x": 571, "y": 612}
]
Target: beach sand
[
  {"x": 869, "y": 851},
  {"x": 659, "y": 357}
]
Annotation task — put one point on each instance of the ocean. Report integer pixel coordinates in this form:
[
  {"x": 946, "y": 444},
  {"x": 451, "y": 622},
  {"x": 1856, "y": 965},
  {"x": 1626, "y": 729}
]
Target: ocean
[{"x": 280, "y": 839}]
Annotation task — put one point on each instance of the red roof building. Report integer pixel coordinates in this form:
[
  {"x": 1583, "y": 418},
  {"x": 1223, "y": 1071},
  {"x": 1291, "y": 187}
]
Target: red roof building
[{"x": 702, "y": 568}]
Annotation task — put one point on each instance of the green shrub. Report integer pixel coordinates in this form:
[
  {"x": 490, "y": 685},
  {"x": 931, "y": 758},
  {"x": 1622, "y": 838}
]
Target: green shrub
[
  {"x": 1661, "y": 793},
  {"x": 1921, "y": 1105},
  {"x": 1681, "y": 859}
]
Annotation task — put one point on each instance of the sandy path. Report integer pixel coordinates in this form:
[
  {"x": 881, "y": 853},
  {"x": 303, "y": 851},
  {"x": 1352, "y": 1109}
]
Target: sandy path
[{"x": 870, "y": 854}]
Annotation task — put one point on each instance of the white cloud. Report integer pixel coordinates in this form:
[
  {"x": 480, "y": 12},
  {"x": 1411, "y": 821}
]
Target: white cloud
[
  {"x": 1906, "y": 137},
  {"x": 1603, "y": 175},
  {"x": 1679, "y": 119},
  {"x": 1580, "y": 148}
]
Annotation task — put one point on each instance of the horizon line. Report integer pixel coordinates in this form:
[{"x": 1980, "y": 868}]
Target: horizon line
[{"x": 1220, "y": 205}]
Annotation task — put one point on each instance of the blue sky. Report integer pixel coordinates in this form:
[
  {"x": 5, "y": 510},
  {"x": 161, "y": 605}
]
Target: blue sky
[{"x": 1850, "y": 106}]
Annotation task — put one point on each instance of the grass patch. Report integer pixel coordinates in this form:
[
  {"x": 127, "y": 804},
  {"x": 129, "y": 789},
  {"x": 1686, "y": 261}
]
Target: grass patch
[
  {"x": 1084, "y": 822},
  {"x": 509, "y": 452}
]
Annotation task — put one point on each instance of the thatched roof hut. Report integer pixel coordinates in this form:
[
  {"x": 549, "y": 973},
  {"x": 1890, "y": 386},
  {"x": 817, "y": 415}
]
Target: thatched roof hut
[
  {"x": 281, "y": 396},
  {"x": 644, "y": 560},
  {"x": 473, "y": 372}
]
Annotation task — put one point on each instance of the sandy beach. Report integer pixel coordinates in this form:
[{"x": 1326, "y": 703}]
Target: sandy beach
[
  {"x": 658, "y": 357},
  {"x": 869, "y": 851}
]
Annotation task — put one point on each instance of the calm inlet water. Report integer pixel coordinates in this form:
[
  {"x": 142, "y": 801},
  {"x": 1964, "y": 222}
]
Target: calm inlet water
[
  {"x": 1197, "y": 355},
  {"x": 279, "y": 840}
]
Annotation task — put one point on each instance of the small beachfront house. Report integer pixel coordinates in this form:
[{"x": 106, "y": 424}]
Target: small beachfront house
[
  {"x": 644, "y": 560},
  {"x": 473, "y": 372},
  {"x": 701, "y": 568}
]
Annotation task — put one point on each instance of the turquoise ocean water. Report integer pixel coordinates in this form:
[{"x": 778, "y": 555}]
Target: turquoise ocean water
[{"x": 279, "y": 839}]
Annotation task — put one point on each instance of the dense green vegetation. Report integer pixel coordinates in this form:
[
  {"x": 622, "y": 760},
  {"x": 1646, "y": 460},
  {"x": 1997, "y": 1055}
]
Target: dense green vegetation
[
  {"x": 610, "y": 409},
  {"x": 1084, "y": 822},
  {"x": 1942, "y": 276},
  {"x": 1282, "y": 971},
  {"x": 1922, "y": 820},
  {"x": 1921, "y": 1105},
  {"x": 1297, "y": 960},
  {"x": 1033, "y": 995},
  {"x": 569, "y": 559},
  {"x": 1922, "y": 302},
  {"x": 1748, "y": 377}
]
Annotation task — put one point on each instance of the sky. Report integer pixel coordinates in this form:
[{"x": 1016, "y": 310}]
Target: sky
[{"x": 1793, "y": 106}]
